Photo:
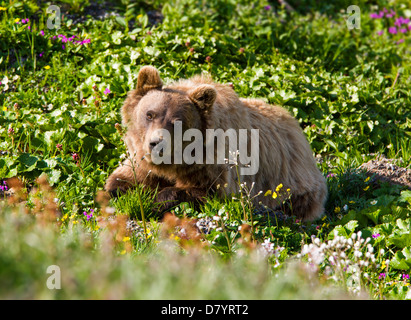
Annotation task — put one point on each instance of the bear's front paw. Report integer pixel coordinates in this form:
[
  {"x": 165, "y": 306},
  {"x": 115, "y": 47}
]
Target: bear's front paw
[
  {"x": 172, "y": 196},
  {"x": 167, "y": 199},
  {"x": 116, "y": 187}
]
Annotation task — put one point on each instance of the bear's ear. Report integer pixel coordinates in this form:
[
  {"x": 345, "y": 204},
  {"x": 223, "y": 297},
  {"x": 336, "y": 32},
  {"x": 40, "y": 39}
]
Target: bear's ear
[
  {"x": 203, "y": 96},
  {"x": 148, "y": 79}
]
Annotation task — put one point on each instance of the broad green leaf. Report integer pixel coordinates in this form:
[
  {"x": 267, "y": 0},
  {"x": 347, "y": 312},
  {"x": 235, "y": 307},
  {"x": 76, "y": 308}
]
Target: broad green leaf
[{"x": 401, "y": 260}]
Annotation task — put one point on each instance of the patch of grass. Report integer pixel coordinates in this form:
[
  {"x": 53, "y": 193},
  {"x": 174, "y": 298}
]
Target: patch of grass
[{"x": 60, "y": 138}]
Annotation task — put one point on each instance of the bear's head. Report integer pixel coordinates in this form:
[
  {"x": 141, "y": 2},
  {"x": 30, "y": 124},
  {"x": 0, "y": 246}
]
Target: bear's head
[{"x": 154, "y": 115}]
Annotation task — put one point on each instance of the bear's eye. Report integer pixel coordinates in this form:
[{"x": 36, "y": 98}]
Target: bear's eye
[{"x": 149, "y": 116}]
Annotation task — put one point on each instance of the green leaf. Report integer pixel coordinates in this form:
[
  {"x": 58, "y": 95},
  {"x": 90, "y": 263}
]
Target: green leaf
[
  {"x": 400, "y": 240},
  {"x": 121, "y": 21},
  {"x": 345, "y": 231},
  {"x": 350, "y": 226},
  {"x": 405, "y": 196},
  {"x": 27, "y": 159},
  {"x": 54, "y": 177},
  {"x": 372, "y": 214},
  {"x": 402, "y": 260}
]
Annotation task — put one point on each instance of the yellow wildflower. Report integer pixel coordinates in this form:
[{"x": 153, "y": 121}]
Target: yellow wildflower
[
  {"x": 174, "y": 237},
  {"x": 366, "y": 180},
  {"x": 279, "y": 187},
  {"x": 337, "y": 210},
  {"x": 123, "y": 252},
  {"x": 351, "y": 201},
  {"x": 139, "y": 16},
  {"x": 211, "y": 29},
  {"x": 3, "y": 9},
  {"x": 275, "y": 195},
  {"x": 47, "y": 67},
  {"x": 366, "y": 188},
  {"x": 4, "y": 108},
  {"x": 16, "y": 20},
  {"x": 267, "y": 193},
  {"x": 125, "y": 239},
  {"x": 288, "y": 190},
  {"x": 75, "y": 222},
  {"x": 149, "y": 233}
]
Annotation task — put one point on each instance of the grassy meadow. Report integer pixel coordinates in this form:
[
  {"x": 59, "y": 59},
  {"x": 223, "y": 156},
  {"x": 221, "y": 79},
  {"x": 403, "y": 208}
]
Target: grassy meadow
[{"x": 63, "y": 81}]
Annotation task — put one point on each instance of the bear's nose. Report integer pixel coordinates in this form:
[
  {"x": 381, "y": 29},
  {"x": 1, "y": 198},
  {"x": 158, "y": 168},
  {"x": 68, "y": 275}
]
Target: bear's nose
[{"x": 153, "y": 144}]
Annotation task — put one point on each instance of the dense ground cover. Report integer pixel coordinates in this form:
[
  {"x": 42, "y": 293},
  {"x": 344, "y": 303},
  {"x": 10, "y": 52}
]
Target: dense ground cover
[{"x": 60, "y": 95}]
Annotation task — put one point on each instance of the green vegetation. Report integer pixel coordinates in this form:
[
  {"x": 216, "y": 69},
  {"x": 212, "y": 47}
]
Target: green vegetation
[{"x": 60, "y": 96}]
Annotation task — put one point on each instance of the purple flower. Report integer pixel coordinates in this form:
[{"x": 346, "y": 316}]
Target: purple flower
[
  {"x": 41, "y": 54},
  {"x": 63, "y": 46},
  {"x": 375, "y": 235},
  {"x": 400, "y": 41},
  {"x": 381, "y": 276},
  {"x": 405, "y": 276},
  {"x": 267, "y": 8},
  {"x": 4, "y": 186},
  {"x": 331, "y": 175},
  {"x": 403, "y": 30},
  {"x": 107, "y": 91},
  {"x": 380, "y": 32},
  {"x": 42, "y": 33},
  {"x": 392, "y": 30}
]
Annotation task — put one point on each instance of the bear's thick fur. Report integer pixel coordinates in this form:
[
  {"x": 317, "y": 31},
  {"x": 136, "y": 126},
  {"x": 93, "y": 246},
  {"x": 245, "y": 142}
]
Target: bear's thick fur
[{"x": 285, "y": 157}]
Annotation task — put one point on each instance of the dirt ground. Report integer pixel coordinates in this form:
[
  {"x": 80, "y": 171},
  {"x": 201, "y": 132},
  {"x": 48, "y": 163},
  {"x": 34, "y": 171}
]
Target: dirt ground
[{"x": 383, "y": 169}]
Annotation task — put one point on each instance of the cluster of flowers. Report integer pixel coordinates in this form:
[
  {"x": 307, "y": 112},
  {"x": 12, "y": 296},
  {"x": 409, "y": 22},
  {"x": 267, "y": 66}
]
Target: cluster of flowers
[
  {"x": 401, "y": 25},
  {"x": 65, "y": 39},
  {"x": 23, "y": 21},
  {"x": 89, "y": 215},
  {"x": 344, "y": 260},
  {"x": 4, "y": 187},
  {"x": 270, "y": 250}
]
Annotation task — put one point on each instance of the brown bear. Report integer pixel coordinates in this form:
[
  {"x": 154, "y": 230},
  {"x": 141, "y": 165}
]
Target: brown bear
[{"x": 283, "y": 160}]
